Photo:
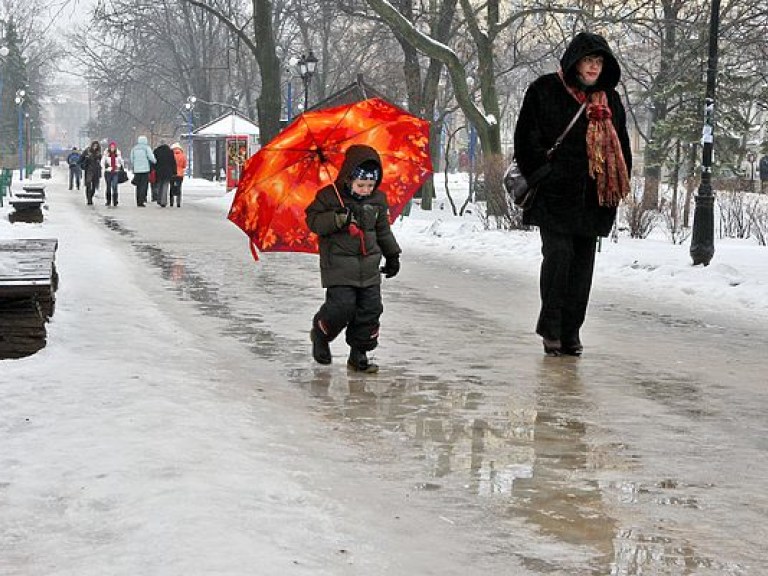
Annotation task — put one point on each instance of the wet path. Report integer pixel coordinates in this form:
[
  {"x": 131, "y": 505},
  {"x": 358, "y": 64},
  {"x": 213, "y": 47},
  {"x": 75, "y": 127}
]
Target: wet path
[{"x": 647, "y": 455}]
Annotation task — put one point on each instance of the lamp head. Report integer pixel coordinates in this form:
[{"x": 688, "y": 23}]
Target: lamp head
[
  {"x": 311, "y": 63},
  {"x": 4, "y": 51},
  {"x": 302, "y": 65}
]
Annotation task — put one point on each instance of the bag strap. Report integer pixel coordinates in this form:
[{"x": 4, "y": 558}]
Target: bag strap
[{"x": 562, "y": 136}]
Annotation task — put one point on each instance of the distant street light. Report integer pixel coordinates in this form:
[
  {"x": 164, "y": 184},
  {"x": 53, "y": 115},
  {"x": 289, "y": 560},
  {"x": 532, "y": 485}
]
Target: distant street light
[
  {"x": 702, "y": 239},
  {"x": 307, "y": 66},
  {"x": 19, "y": 99},
  {"x": 190, "y": 106}
]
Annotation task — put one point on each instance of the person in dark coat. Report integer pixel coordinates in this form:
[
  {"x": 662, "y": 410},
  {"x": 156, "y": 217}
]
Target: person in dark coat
[
  {"x": 764, "y": 174},
  {"x": 165, "y": 169},
  {"x": 75, "y": 172},
  {"x": 351, "y": 219},
  {"x": 587, "y": 177},
  {"x": 90, "y": 162}
]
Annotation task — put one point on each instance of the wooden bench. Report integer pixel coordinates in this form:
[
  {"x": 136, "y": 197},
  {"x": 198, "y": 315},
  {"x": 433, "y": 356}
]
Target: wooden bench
[
  {"x": 31, "y": 198},
  {"x": 28, "y": 283},
  {"x": 38, "y": 189},
  {"x": 26, "y": 203}
]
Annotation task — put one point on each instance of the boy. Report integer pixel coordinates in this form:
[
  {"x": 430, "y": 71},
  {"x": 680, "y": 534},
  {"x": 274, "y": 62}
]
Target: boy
[{"x": 351, "y": 218}]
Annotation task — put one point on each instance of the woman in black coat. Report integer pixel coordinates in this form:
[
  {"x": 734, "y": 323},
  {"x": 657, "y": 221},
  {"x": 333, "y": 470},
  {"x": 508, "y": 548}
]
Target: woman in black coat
[
  {"x": 90, "y": 162},
  {"x": 584, "y": 181},
  {"x": 165, "y": 169}
]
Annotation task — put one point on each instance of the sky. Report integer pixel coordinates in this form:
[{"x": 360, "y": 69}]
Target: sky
[{"x": 111, "y": 458}]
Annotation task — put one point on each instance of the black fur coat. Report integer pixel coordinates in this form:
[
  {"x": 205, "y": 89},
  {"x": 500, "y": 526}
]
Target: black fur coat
[{"x": 566, "y": 198}]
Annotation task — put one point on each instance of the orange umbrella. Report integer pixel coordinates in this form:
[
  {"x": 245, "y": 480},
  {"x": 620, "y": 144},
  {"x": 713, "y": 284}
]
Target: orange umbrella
[{"x": 282, "y": 178}]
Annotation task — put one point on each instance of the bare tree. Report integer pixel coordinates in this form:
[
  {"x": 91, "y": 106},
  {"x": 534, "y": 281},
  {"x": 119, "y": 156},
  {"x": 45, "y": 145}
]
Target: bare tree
[{"x": 263, "y": 46}]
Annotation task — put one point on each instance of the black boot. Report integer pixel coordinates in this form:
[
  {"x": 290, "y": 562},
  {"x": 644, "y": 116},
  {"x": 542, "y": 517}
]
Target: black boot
[
  {"x": 552, "y": 347},
  {"x": 572, "y": 347},
  {"x": 358, "y": 362},
  {"x": 321, "y": 351}
]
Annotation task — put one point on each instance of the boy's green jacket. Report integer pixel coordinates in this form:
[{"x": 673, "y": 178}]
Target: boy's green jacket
[{"x": 345, "y": 259}]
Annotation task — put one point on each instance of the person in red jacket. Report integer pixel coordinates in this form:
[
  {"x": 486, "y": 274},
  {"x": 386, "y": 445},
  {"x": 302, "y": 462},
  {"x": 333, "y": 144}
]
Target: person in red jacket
[{"x": 176, "y": 180}]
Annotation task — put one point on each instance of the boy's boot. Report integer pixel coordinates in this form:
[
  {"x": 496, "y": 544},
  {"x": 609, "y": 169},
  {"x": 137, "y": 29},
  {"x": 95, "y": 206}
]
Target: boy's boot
[
  {"x": 321, "y": 351},
  {"x": 358, "y": 362}
]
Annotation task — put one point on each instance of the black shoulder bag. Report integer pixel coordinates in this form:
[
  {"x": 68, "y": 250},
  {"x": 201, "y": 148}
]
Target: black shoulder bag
[{"x": 522, "y": 189}]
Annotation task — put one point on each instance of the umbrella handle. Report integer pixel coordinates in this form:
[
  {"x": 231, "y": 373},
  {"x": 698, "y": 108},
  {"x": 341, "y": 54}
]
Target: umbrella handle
[{"x": 333, "y": 183}]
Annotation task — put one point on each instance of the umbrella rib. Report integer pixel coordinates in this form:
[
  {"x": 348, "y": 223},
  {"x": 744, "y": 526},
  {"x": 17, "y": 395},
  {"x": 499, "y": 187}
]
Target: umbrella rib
[
  {"x": 399, "y": 159},
  {"x": 284, "y": 166},
  {"x": 298, "y": 179},
  {"x": 361, "y": 132},
  {"x": 332, "y": 130}
]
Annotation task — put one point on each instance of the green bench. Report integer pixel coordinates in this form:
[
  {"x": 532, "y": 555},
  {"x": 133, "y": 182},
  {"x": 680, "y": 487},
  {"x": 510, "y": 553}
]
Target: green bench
[{"x": 5, "y": 183}]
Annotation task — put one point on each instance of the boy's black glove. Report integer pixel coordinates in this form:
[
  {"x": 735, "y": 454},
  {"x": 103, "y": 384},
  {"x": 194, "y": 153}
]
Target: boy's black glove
[
  {"x": 344, "y": 217},
  {"x": 391, "y": 266}
]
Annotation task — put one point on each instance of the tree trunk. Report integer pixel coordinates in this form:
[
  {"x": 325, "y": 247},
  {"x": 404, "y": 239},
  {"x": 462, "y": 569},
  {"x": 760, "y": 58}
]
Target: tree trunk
[{"x": 269, "y": 102}]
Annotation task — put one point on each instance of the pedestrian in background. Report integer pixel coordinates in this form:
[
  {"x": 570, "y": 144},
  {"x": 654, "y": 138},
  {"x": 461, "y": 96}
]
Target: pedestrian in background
[
  {"x": 142, "y": 159},
  {"x": 584, "y": 181},
  {"x": 351, "y": 219},
  {"x": 751, "y": 172},
  {"x": 165, "y": 169},
  {"x": 75, "y": 172},
  {"x": 178, "y": 178},
  {"x": 112, "y": 162},
  {"x": 90, "y": 162},
  {"x": 764, "y": 174}
]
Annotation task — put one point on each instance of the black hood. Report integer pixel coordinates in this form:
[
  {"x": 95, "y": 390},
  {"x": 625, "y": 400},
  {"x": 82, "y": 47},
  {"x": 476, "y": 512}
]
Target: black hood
[
  {"x": 353, "y": 157},
  {"x": 584, "y": 44}
]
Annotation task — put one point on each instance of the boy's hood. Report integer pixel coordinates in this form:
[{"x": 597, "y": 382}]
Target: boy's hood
[{"x": 354, "y": 156}]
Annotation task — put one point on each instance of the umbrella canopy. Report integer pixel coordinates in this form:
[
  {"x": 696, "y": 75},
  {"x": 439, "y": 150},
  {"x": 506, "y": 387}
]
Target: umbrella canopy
[{"x": 282, "y": 178}]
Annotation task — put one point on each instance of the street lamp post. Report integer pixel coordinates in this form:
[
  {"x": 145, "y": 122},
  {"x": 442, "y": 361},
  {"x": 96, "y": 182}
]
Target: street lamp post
[
  {"x": 190, "y": 106},
  {"x": 3, "y": 53},
  {"x": 307, "y": 66},
  {"x": 292, "y": 63},
  {"x": 27, "y": 139},
  {"x": 702, "y": 239},
  {"x": 19, "y": 99}
]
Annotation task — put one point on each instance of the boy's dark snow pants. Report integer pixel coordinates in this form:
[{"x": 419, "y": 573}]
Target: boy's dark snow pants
[{"x": 357, "y": 309}]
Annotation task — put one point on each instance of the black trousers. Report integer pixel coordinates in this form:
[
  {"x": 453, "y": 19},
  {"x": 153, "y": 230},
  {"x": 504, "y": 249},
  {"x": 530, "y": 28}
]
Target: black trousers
[
  {"x": 141, "y": 179},
  {"x": 91, "y": 187},
  {"x": 565, "y": 282},
  {"x": 356, "y": 309},
  {"x": 175, "y": 190}
]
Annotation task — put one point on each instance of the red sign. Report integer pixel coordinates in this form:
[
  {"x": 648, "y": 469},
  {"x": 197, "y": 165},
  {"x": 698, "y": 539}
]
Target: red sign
[{"x": 237, "y": 154}]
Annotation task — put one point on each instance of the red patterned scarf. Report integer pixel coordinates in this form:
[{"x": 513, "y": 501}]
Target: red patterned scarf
[{"x": 606, "y": 160}]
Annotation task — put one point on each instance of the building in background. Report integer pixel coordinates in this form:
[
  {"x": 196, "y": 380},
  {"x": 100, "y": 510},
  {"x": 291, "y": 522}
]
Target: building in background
[{"x": 66, "y": 116}]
